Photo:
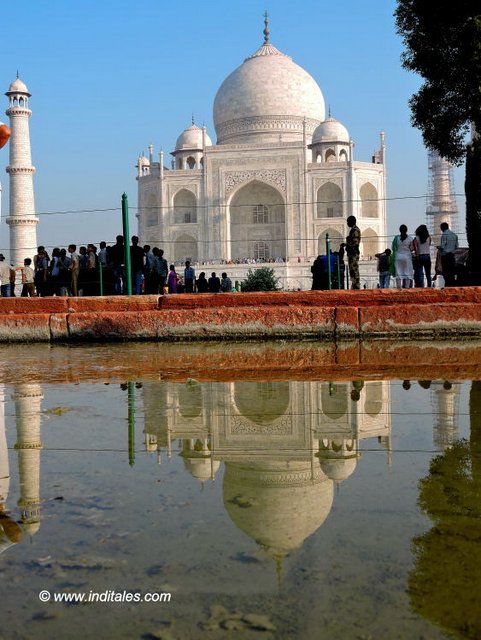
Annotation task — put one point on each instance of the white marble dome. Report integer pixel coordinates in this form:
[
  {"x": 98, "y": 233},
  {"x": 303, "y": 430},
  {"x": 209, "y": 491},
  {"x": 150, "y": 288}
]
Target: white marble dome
[
  {"x": 331, "y": 130},
  {"x": 191, "y": 139},
  {"x": 266, "y": 99},
  {"x": 18, "y": 86},
  {"x": 278, "y": 505}
]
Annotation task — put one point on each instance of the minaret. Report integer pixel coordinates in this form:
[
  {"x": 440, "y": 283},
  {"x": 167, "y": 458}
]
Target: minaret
[
  {"x": 22, "y": 220},
  {"x": 441, "y": 205}
]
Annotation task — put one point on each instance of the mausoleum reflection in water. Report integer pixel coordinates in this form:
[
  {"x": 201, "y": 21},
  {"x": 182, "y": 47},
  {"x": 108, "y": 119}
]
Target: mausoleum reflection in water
[{"x": 285, "y": 447}]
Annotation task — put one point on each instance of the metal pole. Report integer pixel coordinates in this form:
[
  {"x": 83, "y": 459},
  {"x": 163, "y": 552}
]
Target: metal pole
[
  {"x": 338, "y": 271},
  {"x": 125, "y": 226},
  {"x": 328, "y": 256},
  {"x": 101, "y": 277}
]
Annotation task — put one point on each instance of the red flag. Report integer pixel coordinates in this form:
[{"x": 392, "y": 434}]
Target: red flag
[{"x": 4, "y": 134}]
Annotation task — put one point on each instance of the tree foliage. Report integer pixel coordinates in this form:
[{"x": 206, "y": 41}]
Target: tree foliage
[
  {"x": 262, "y": 279},
  {"x": 443, "y": 45}
]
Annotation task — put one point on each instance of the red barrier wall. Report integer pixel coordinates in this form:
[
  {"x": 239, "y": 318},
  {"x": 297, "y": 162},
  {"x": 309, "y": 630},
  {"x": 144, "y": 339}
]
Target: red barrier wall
[{"x": 310, "y": 314}]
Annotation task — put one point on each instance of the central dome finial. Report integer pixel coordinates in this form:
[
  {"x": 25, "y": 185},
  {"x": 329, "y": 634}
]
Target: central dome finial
[{"x": 266, "y": 31}]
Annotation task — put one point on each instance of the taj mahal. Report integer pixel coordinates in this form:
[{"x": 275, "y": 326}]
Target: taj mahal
[{"x": 278, "y": 178}]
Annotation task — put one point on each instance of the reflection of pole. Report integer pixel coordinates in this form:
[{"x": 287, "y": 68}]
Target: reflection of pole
[
  {"x": 131, "y": 421},
  {"x": 328, "y": 257},
  {"x": 125, "y": 226}
]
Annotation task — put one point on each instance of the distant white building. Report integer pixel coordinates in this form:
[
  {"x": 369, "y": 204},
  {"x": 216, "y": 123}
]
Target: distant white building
[{"x": 279, "y": 177}]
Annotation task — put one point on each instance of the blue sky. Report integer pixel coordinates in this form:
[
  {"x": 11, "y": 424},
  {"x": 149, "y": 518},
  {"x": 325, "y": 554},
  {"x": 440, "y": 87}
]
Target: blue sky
[{"x": 108, "y": 78}]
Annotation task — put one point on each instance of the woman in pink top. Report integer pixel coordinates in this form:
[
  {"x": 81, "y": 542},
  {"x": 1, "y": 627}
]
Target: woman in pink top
[{"x": 172, "y": 279}]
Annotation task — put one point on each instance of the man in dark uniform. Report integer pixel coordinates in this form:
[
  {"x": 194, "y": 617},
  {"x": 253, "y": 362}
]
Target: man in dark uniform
[{"x": 353, "y": 241}]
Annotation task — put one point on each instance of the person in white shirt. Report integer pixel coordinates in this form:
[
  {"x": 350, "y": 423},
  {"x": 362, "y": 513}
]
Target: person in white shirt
[{"x": 447, "y": 247}]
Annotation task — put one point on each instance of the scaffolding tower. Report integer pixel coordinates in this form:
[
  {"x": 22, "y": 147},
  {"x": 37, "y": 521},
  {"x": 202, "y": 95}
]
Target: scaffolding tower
[{"x": 441, "y": 203}]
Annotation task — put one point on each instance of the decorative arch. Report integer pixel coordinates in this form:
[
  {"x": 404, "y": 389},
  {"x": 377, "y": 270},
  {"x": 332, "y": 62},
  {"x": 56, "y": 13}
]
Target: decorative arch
[
  {"x": 185, "y": 248},
  {"x": 151, "y": 213},
  {"x": 334, "y": 399},
  {"x": 191, "y": 162},
  {"x": 329, "y": 201},
  {"x": 343, "y": 156},
  {"x": 369, "y": 242},
  {"x": 336, "y": 238},
  {"x": 369, "y": 201},
  {"x": 257, "y": 214},
  {"x": 261, "y": 402},
  {"x": 330, "y": 155},
  {"x": 185, "y": 207},
  {"x": 373, "y": 398},
  {"x": 190, "y": 400}
]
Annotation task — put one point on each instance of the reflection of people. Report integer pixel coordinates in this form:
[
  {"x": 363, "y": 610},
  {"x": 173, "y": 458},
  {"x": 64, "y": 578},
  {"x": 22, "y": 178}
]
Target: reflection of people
[
  {"x": 424, "y": 384},
  {"x": 406, "y": 385},
  {"x": 353, "y": 241}
]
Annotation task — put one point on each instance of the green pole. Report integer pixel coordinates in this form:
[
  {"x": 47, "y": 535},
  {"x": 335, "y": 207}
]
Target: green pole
[
  {"x": 328, "y": 256},
  {"x": 131, "y": 421},
  {"x": 101, "y": 276},
  {"x": 125, "y": 226}
]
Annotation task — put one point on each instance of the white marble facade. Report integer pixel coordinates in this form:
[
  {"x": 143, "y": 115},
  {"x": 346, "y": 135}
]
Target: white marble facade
[{"x": 279, "y": 177}]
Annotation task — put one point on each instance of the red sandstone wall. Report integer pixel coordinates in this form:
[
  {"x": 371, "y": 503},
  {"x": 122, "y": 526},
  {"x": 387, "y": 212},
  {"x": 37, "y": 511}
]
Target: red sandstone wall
[{"x": 313, "y": 314}]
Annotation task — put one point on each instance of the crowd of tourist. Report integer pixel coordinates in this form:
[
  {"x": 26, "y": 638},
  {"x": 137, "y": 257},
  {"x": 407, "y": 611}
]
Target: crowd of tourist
[
  {"x": 408, "y": 260},
  {"x": 92, "y": 271}
]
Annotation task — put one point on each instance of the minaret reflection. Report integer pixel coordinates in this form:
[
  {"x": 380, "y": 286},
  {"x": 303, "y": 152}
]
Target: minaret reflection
[
  {"x": 444, "y": 582},
  {"x": 285, "y": 445},
  {"x": 445, "y": 403},
  {"x": 27, "y": 400}
]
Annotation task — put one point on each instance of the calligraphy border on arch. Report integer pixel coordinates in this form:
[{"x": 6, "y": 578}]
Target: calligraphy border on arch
[{"x": 274, "y": 177}]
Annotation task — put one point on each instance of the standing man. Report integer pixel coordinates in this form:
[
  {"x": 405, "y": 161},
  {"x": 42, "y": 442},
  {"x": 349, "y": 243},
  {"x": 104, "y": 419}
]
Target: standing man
[
  {"x": 5, "y": 288},
  {"x": 447, "y": 247},
  {"x": 137, "y": 265},
  {"x": 353, "y": 241},
  {"x": 163, "y": 271},
  {"x": 74, "y": 269},
  {"x": 189, "y": 277}
]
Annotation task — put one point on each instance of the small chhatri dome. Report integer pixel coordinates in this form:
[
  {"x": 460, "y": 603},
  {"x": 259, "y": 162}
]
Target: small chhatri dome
[
  {"x": 268, "y": 97},
  {"x": 338, "y": 469},
  {"x": 18, "y": 86},
  {"x": 192, "y": 139},
  {"x": 331, "y": 130}
]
